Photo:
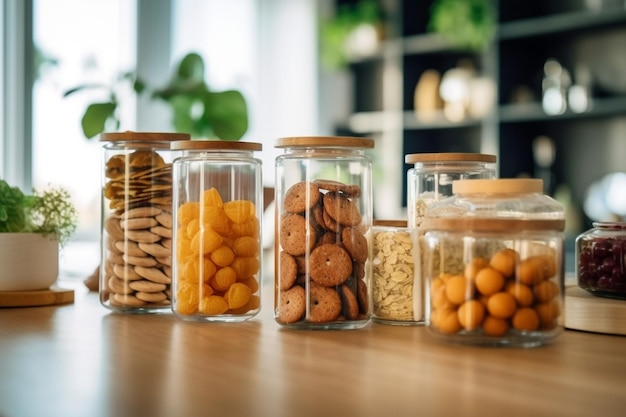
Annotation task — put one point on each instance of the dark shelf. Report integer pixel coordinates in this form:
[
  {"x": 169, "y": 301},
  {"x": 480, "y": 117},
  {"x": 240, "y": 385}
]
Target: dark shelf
[
  {"x": 559, "y": 23},
  {"x": 533, "y": 112}
]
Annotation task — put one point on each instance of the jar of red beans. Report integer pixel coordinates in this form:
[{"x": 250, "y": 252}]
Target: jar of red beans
[
  {"x": 601, "y": 259},
  {"x": 494, "y": 264}
]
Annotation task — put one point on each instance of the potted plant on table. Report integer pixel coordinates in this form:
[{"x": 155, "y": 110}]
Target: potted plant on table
[{"x": 33, "y": 228}]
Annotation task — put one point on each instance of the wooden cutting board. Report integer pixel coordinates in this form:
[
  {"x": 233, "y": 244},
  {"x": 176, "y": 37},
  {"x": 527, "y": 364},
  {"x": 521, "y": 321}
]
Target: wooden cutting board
[
  {"x": 587, "y": 312},
  {"x": 51, "y": 296}
]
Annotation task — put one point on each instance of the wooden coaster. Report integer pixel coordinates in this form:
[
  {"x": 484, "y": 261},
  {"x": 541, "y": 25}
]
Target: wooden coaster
[
  {"x": 47, "y": 297},
  {"x": 590, "y": 313}
]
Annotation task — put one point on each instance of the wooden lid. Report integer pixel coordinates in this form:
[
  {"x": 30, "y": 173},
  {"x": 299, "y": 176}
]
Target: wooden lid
[
  {"x": 390, "y": 223},
  {"x": 314, "y": 141},
  {"x": 143, "y": 136},
  {"x": 449, "y": 157},
  {"x": 216, "y": 145},
  {"x": 473, "y": 224},
  {"x": 498, "y": 185}
]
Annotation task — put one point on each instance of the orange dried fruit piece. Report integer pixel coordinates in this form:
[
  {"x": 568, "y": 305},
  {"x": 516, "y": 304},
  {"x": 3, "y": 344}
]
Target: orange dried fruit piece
[
  {"x": 206, "y": 241},
  {"x": 183, "y": 249},
  {"x": 239, "y": 211},
  {"x": 212, "y": 198},
  {"x": 216, "y": 219},
  {"x": 222, "y": 256},
  {"x": 238, "y": 295},
  {"x": 253, "y": 304},
  {"x": 252, "y": 283},
  {"x": 187, "y": 212},
  {"x": 249, "y": 228},
  {"x": 213, "y": 305},
  {"x": 187, "y": 298},
  {"x": 245, "y": 267},
  {"x": 246, "y": 246},
  {"x": 223, "y": 278},
  {"x": 192, "y": 228},
  {"x": 208, "y": 269}
]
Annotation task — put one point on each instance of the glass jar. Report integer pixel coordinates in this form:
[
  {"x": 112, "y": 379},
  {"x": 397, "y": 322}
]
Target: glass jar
[
  {"x": 218, "y": 206},
  {"x": 432, "y": 175},
  {"x": 323, "y": 200},
  {"x": 397, "y": 293},
  {"x": 135, "y": 268},
  {"x": 601, "y": 260},
  {"x": 494, "y": 263},
  {"x": 430, "y": 180}
]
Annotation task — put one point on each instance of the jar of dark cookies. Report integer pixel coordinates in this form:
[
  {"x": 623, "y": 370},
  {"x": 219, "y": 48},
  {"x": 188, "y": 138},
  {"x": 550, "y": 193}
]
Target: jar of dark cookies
[
  {"x": 494, "y": 256},
  {"x": 218, "y": 206},
  {"x": 136, "y": 260},
  {"x": 323, "y": 199}
]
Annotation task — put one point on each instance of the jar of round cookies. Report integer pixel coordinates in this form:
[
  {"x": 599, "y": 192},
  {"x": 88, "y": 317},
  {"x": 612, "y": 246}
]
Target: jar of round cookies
[
  {"x": 218, "y": 206},
  {"x": 494, "y": 263},
  {"x": 323, "y": 198},
  {"x": 136, "y": 260}
]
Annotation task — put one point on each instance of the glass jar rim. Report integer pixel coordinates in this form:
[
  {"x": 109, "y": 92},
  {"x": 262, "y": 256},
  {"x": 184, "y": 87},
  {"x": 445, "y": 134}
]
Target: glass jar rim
[{"x": 609, "y": 225}]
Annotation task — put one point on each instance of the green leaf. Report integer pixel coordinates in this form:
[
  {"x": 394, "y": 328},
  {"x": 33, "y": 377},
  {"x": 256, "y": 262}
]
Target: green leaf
[
  {"x": 227, "y": 114},
  {"x": 191, "y": 67},
  {"x": 95, "y": 118}
]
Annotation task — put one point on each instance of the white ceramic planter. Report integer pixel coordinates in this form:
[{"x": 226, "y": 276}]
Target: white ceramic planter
[{"x": 28, "y": 261}]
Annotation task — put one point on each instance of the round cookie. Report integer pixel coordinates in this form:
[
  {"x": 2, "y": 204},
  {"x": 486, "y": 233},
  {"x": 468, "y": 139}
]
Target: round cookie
[
  {"x": 341, "y": 209},
  {"x": 301, "y": 196},
  {"x": 330, "y": 223},
  {"x": 325, "y": 304},
  {"x": 292, "y": 305},
  {"x": 329, "y": 265},
  {"x": 288, "y": 271},
  {"x": 355, "y": 243},
  {"x": 293, "y": 235},
  {"x": 350, "y": 305},
  {"x": 350, "y": 190}
]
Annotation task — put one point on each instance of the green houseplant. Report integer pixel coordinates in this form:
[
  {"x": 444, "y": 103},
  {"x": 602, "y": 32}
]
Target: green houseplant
[
  {"x": 32, "y": 229},
  {"x": 196, "y": 108}
]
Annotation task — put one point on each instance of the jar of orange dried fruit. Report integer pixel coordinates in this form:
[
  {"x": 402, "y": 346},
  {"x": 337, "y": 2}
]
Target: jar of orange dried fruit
[
  {"x": 494, "y": 263},
  {"x": 218, "y": 204}
]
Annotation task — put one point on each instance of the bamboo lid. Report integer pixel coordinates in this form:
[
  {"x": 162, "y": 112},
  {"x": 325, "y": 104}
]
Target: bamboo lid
[
  {"x": 341, "y": 141},
  {"x": 449, "y": 157},
  {"x": 143, "y": 136},
  {"x": 216, "y": 145},
  {"x": 498, "y": 186}
]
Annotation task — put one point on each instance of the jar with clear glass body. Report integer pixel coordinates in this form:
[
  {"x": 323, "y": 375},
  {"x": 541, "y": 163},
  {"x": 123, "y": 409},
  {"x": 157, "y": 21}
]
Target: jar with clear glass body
[
  {"x": 432, "y": 175},
  {"x": 494, "y": 264},
  {"x": 323, "y": 198},
  {"x": 397, "y": 293},
  {"x": 601, "y": 260},
  {"x": 218, "y": 207},
  {"x": 135, "y": 266},
  {"x": 430, "y": 180}
]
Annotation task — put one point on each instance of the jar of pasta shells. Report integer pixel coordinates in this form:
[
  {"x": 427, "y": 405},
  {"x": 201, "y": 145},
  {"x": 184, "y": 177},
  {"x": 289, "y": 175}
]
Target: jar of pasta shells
[
  {"x": 323, "y": 199},
  {"x": 397, "y": 293},
  {"x": 218, "y": 206},
  {"x": 136, "y": 260},
  {"x": 430, "y": 180},
  {"x": 494, "y": 264}
]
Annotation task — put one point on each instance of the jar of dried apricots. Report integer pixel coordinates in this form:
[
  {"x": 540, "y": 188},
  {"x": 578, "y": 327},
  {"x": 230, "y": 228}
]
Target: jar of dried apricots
[
  {"x": 324, "y": 215},
  {"x": 135, "y": 269},
  {"x": 218, "y": 206},
  {"x": 494, "y": 263}
]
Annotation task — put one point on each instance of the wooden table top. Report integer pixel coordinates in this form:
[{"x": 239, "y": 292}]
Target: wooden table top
[{"x": 82, "y": 360}]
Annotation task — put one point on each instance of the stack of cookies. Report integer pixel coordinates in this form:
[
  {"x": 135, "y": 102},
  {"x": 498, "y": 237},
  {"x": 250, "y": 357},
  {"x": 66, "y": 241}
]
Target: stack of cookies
[{"x": 321, "y": 255}]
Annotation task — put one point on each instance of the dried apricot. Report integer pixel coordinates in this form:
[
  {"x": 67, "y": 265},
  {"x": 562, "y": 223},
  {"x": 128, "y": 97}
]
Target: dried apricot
[
  {"x": 238, "y": 295},
  {"x": 246, "y": 246},
  {"x": 223, "y": 278},
  {"x": 249, "y": 228},
  {"x": 216, "y": 219},
  {"x": 239, "y": 211},
  {"x": 187, "y": 298},
  {"x": 206, "y": 241},
  {"x": 245, "y": 267},
  {"x": 222, "y": 256},
  {"x": 212, "y": 197},
  {"x": 187, "y": 212},
  {"x": 213, "y": 305}
]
